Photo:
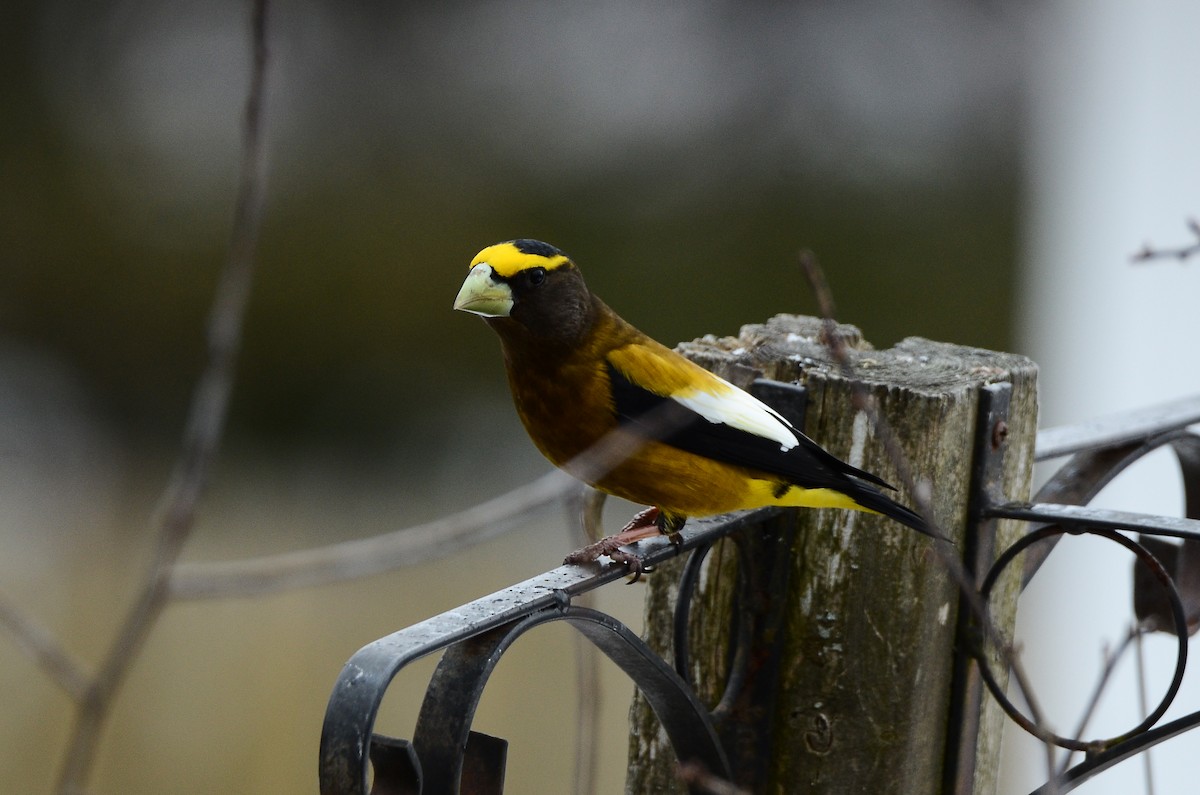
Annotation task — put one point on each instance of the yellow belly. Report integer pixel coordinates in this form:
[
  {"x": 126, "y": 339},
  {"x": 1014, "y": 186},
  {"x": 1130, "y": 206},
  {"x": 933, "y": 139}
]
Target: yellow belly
[{"x": 683, "y": 483}]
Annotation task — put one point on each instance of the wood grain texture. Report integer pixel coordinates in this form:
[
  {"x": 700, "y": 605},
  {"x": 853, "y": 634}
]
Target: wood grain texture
[{"x": 853, "y": 615}]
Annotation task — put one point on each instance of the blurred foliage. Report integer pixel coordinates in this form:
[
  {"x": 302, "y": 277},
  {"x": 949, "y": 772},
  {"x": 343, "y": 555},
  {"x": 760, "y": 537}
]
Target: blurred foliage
[
  {"x": 682, "y": 153},
  {"x": 384, "y": 182}
]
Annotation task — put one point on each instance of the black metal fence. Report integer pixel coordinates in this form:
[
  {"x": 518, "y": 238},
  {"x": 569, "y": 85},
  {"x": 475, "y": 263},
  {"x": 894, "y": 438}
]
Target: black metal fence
[{"x": 445, "y": 755}]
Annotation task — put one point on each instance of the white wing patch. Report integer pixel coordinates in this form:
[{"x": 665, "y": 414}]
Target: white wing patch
[{"x": 728, "y": 405}]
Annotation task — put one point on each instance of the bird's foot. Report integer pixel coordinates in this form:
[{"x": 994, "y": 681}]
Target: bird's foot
[
  {"x": 610, "y": 547},
  {"x": 632, "y": 562},
  {"x": 644, "y": 525}
]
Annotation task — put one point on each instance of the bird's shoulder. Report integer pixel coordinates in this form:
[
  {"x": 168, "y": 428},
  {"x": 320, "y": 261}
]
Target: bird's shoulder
[
  {"x": 652, "y": 366},
  {"x": 649, "y": 365},
  {"x": 644, "y": 371}
]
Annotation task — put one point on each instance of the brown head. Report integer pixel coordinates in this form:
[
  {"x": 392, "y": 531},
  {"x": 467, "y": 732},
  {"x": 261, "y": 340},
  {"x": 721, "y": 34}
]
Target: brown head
[{"x": 530, "y": 293}]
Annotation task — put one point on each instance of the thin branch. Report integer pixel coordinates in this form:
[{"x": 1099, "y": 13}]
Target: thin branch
[
  {"x": 585, "y": 508},
  {"x": 1144, "y": 708},
  {"x": 44, "y": 649},
  {"x": 1109, "y": 665},
  {"x": 591, "y": 514},
  {"x": 954, "y": 566},
  {"x": 206, "y": 420},
  {"x": 589, "y": 695},
  {"x": 351, "y": 560},
  {"x": 700, "y": 779},
  {"x": 1180, "y": 253}
]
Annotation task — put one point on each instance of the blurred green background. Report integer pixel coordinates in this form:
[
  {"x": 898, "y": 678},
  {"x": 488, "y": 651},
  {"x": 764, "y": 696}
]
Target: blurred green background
[{"x": 682, "y": 153}]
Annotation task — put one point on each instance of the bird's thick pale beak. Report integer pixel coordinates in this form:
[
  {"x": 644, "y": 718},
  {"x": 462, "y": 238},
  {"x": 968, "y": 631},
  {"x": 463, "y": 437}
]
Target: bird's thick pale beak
[{"x": 482, "y": 295}]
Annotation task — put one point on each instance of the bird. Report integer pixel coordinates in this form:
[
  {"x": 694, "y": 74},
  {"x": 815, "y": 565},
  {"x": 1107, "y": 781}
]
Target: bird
[{"x": 672, "y": 435}]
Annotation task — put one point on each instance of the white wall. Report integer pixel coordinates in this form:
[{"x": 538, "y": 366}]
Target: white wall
[{"x": 1113, "y": 162}]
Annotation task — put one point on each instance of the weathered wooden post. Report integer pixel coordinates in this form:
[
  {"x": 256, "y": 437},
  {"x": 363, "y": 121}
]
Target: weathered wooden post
[{"x": 847, "y": 684}]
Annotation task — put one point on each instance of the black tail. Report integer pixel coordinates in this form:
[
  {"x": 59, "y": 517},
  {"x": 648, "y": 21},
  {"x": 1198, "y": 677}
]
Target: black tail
[{"x": 873, "y": 499}]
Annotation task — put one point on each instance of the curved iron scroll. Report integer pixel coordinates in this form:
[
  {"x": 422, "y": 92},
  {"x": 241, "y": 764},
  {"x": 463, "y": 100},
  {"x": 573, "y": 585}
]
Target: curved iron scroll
[
  {"x": 475, "y": 635},
  {"x": 347, "y": 738},
  {"x": 1100, "y": 452},
  {"x": 454, "y": 691},
  {"x": 1177, "y": 615}
]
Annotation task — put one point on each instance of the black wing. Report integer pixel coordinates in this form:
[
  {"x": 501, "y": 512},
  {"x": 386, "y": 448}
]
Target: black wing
[{"x": 807, "y": 465}]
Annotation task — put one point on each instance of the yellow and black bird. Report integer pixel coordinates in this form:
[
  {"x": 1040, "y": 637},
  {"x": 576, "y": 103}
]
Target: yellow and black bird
[{"x": 581, "y": 376}]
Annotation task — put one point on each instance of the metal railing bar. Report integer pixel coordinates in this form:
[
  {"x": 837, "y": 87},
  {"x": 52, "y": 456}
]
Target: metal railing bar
[
  {"x": 1080, "y": 516},
  {"x": 1086, "y": 473},
  {"x": 1116, "y": 429}
]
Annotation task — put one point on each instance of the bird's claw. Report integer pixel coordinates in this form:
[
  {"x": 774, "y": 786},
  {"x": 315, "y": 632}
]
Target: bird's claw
[
  {"x": 634, "y": 563},
  {"x": 644, "y": 525},
  {"x": 611, "y": 547}
]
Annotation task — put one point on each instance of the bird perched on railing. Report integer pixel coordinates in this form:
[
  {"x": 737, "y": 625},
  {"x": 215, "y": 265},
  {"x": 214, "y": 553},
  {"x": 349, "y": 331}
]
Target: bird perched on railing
[{"x": 635, "y": 419}]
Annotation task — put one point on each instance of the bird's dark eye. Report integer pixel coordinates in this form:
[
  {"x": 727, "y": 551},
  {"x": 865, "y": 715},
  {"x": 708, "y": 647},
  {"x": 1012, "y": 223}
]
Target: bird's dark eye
[{"x": 536, "y": 276}]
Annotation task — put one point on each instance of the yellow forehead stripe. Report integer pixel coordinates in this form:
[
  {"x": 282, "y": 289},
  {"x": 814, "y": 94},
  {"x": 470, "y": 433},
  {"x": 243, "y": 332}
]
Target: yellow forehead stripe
[{"x": 507, "y": 260}]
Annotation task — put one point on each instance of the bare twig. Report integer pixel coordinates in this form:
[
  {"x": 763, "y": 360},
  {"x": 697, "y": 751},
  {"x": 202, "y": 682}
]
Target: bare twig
[
  {"x": 1111, "y": 658},
  {"x": 591, "y": 513},
  {"x": 1180, "y": 253},
  {"x": 589, "y": 696},
  {"x": 584, "y": 513},
  {"x": 701, "y": 779},
  {"x": 1143, "y": 706},
  {"x": 350, "y": 560},
  {"x": 206, "y": 419},
  {"x": 954, "y": 566},
  {"x": 44, "y": 649}
]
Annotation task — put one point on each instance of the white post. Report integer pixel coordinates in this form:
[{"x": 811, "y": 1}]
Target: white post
[{"x": 1113, "y": 162}]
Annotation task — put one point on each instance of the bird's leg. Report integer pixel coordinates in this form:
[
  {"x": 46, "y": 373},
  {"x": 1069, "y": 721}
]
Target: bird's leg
[
  {"x": 645, "y": 525},
  {"x": 669, "y": 525}
]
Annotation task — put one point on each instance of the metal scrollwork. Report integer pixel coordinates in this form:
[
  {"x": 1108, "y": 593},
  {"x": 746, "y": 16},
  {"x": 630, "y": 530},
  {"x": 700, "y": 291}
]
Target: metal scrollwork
[{"x": 445, "y": 754}]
